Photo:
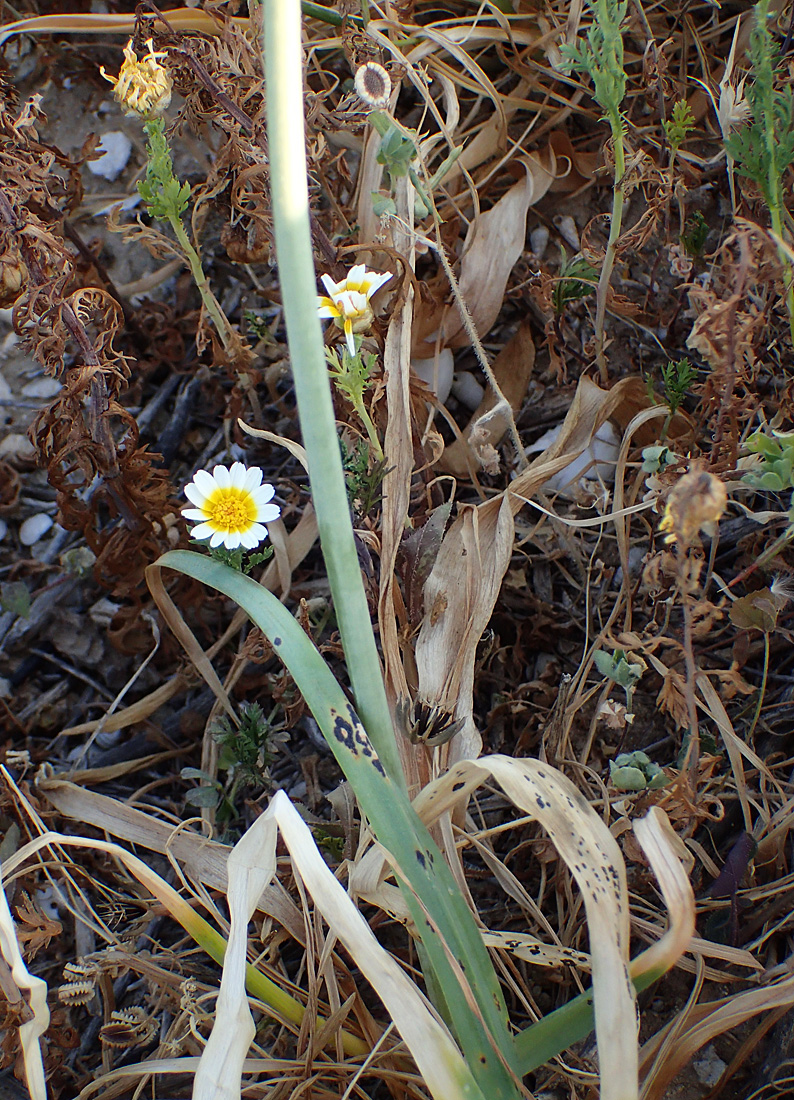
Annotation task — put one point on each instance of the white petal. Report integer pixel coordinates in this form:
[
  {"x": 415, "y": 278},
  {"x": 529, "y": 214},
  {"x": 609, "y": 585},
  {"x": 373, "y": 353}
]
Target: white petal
[
  {"x": 204, "y": 483},
  {"x": 330, "y": 285},
  {"x": 357, "y": 273},
  {"x": 194, "y": 513},
  {"x": 195, "y": 495},
  {"x": 267, "y": 513},
  {"x": 351, "y": 340},
  {"x": 263, "y": 493},
  {"x": 237, "y": 475},
  {"x": 222, "y": 478},
  {"x": 376, "y": 280},
  {"x": 217, "y": 538},
  {"x": 232, "y": 540},
  {"x": 253, "y": 536},
  {"x": 203, "y": 531},
  {"x": 253, "y": 479}
]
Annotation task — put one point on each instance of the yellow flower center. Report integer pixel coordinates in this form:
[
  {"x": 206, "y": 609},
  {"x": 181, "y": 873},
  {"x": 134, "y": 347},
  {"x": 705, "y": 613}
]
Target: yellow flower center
[{"x": 231, "y": 510}]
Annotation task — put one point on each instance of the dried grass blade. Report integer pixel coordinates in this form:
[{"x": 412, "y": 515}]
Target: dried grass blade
[
  {"x": 443, "y": 1070},
  {"x": 595, "y": 861},
  {"x": 716, "y": 1018},
  {"x": 31, "y": 1031},
  {"x": 666, "y": 852}
]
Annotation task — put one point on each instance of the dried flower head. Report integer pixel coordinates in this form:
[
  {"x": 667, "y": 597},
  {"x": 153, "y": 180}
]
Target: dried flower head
[
  {"x": 348, "y": 302},
  {"x": 373, "y": 84},
  {"x": 142, "y": 87},
  {"x": 695, "y": 503},
  {"x": 232, "y": 505}
]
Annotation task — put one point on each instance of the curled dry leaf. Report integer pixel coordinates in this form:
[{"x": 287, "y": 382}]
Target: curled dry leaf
[
  {"x": 494, "y": 244},
  {"x": 461, "y": 591}
]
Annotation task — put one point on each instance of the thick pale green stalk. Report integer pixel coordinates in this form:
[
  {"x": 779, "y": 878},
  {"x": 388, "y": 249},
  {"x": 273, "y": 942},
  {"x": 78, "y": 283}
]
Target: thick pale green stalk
[
  {"x": 290, "y": 202},
  {"x": 442, "y": 918}
]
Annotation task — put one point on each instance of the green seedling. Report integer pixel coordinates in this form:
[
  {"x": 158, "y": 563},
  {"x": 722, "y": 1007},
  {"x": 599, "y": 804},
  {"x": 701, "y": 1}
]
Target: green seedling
[
  {"x": 362, "y": 477},
  {"x": 397, "y": 153},
  {"x": 601, "y": 57},
  {"x": 241, "y": 560},
  {"x": 577, "y": 279},
  {"x": 775, "y": 471},
  {"x": 676, "y": 380},
  {"x": 351, "y": 376},
  {"x": 764, "y": 149},
  {"x": 658, "y": 458},
  {"x": 678, "y": 127},
  {"x": 167, "y": 199},
  {"x": 634, "y": 771},
  {"x": 626, "y": 673},
  {"x": 677, "y": 377},
  {"x": 247, "y": 750}
]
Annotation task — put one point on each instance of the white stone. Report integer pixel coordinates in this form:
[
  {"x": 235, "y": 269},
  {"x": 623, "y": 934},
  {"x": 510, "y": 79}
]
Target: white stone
[
  {"x": 467, "y": 390},
  {"x": 566, "y": 227},
  {"x": 16, "y": 444},
  {"x": 538, "y": 241},
  {"x": 437, "y": 372},
  {"x": 44, "y": 387},
  {"x": 115, "y": 147},
  {"x": 35, "y": 528},
  {"x": 596, "y": 461},
  {"x": 708, "y": 1066}
]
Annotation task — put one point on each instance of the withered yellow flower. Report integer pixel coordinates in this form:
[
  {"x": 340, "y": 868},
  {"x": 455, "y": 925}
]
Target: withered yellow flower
[
  {"x": 142, "y": 87},
  {"x": 695, "y": 503}
]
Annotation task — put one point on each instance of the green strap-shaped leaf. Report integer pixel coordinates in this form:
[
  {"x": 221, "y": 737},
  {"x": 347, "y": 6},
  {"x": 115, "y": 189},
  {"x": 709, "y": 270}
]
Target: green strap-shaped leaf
[{"x": 442, "y": 918}]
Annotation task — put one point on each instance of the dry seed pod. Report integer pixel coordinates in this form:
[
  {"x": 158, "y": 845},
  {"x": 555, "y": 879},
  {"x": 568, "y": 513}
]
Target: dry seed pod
[
  {"x": 81, "y": 980},
  {"x": 128, "y": 1027},
  {"x": 373, "y": 84}
]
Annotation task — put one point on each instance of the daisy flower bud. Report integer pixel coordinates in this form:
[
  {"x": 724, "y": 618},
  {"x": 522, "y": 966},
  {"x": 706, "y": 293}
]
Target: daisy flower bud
[
  {"x": 232, "y": 506},
  {"x": 348, "y": 302}
]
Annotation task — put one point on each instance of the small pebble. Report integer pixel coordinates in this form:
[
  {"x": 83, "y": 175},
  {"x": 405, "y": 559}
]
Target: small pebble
[
  {"x": 34, "y": 528},
  {"x": 539, "y": 241},
  {"x": 708, "y": 1066},
  {"x": 44, "y": 387},
  {"x": 115, "y": 147},
  {"x": 437, "y": 374},
  {"x": 566, "y": 227},
  {"x": 467, "y": 389}
]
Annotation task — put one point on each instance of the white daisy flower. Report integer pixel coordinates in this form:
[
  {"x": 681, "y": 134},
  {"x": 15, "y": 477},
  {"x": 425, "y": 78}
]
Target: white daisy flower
[
  {"x": 231, "y": 505},
  {"x": 348, "y": 302}
]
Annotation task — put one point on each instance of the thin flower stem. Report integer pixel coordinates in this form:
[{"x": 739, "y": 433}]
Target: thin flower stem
[
  {"x": 202, "y": 284},
  {"x": 761, "y": 691},
  {"x": 614, "y": 234}
]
